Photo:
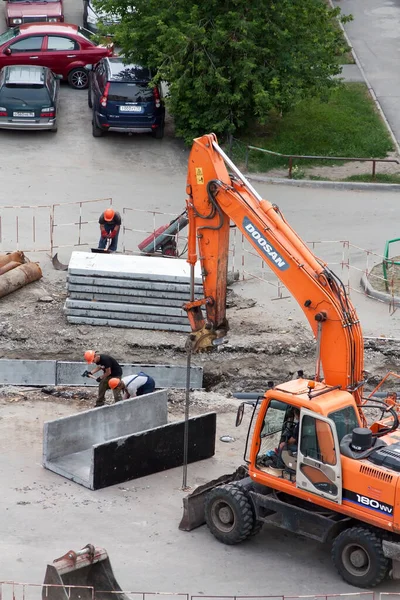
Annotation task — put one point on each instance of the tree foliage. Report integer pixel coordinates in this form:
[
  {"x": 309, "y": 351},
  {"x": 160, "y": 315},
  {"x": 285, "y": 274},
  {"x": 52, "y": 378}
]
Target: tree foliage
[{"x": 228, "y": 62}]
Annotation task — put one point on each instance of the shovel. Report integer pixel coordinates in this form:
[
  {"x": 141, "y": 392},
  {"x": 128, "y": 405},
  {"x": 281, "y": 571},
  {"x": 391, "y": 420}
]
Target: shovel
[{"x": 105, "y": 250}]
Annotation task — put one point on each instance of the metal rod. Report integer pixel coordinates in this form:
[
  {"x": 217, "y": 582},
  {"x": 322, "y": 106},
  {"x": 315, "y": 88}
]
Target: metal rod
[
  {"x": 236, "y": 170},
  {"x": 373, "y": 169},
  {"x": 187, "y": 396}
]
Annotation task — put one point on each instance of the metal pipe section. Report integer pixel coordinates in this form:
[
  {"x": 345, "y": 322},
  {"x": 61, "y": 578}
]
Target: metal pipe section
[{"x": 236, "y": 171}]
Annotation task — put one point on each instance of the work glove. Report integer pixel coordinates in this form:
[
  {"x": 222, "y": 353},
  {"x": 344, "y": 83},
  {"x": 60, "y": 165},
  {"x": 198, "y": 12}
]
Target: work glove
[
  {"x": 104, "y": 233},
  {"x": 99, "y": 379},
  {"x": 112, "y": 234}
]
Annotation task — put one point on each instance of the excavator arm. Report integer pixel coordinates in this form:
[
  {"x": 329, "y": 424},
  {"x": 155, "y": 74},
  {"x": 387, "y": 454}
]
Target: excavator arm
[{"x": 215, "y": 199}]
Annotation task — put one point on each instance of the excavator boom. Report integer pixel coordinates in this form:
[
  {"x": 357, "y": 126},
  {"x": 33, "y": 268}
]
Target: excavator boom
[{"x": 217, "y": 198}]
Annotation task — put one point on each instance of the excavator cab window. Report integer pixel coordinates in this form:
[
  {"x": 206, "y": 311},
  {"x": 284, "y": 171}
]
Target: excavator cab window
[
  {"x": 278, "y": 420},
  {"x": 345, "y": 420}
]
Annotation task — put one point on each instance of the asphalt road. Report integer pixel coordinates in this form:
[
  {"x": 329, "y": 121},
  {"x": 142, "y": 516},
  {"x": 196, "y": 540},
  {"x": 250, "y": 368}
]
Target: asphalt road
[{"x": 375, "y": 36}]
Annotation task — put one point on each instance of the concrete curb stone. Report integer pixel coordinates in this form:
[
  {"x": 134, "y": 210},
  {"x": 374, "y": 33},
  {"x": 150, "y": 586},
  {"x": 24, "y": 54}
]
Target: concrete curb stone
[
  {"x": 382, "y": 296},
  {"x": 336, "y": 185}
]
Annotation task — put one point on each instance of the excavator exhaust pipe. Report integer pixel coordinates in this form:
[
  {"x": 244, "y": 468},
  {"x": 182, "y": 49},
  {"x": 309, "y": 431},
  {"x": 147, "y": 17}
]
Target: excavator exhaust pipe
[{"x": 84, "y": 574}]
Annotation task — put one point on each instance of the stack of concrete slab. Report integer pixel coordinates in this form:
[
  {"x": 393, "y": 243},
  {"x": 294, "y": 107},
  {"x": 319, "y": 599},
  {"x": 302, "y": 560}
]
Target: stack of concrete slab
[{"x": 129, "y": 291}]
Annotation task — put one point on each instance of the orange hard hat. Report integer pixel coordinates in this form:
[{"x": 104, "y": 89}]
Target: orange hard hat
[
  {"x": 114, "y": 382},
  {"x": 89, "y": 355},
  {"x": 109, "y": 214}
]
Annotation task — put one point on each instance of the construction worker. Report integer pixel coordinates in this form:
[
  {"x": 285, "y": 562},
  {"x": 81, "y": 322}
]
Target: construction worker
[
  {"x": 111, "y": 369},
  {"x": 110, "y": 224},
  {"x": 133, "y": 385}
]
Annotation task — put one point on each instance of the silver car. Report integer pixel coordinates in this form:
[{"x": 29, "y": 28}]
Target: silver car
[{"x": 28, "y": 98}]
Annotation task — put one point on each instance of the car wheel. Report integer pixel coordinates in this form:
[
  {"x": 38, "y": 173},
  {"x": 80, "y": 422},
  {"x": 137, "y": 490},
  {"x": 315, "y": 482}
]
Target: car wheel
[
  {"x": 54, "y": 129},
  {"x": 158, "y": 133},
  {"x": 78, "y": 78},
  {"x": 89, "y": 97},
  {"x": 96, "y": 131}
]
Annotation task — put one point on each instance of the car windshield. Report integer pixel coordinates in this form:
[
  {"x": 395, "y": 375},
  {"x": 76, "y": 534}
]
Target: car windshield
[
  {"x": 130, "y": 92},
  {"x": 9, "y": 35},
  {"x": 24, "y": 95}
]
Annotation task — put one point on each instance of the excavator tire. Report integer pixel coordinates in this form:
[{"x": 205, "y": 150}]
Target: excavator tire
[
  {"x": 358, "y": 557},
  {"x": 229, "y": 514}
]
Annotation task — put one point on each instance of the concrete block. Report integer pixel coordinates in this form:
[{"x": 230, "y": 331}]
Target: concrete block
[
  {"x": 68, "y": 442},
  {"x": 147, "y": 268},
  {"x": 125, "y": 299},
  {"x": 113, "y": 308},
  {"x": 89, "y": 320},
  {"x": 152, "y": 451},
  {"x": 27, "y": 372},
  {"x": 165, "y": 376},
  {"x": 110, "y": 316},
  {"x": 133, "y": 284}
]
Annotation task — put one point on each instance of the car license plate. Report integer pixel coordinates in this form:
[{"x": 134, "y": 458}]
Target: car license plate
[
  {"x": 23, "y": 114},
  {"x": 130, "y": 109}
]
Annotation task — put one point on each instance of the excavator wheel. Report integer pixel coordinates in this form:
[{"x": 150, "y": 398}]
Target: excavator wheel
[
  {"x": 358, "y": 556},
  {"x": 229, "y": 514}
]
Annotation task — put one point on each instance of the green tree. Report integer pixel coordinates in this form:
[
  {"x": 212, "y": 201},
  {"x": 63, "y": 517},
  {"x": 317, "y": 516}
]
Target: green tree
[{"x": 229, "y": 62}]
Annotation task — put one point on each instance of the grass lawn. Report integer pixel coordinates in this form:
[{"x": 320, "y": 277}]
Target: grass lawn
[
  {"x": 379, "y": 178},
  {"x": 345, "y": 124}
]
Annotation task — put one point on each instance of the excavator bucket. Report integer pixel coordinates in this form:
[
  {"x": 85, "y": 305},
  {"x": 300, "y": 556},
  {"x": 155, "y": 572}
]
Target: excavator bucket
[
  {"x": 82, "y": 575},
  {"x": 193, "y": 504},
  {"x": 57, "y": 264}
]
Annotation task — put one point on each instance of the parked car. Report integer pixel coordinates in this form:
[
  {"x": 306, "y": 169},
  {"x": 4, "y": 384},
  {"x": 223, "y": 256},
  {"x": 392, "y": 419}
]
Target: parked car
[
  {"x": 122, "y": 99},
  {"x": 66, "y": 49},
  {"x": 28, "y": 98},
  {"x": 33, "y": 11},
  {"x": 92, "y": 16}
]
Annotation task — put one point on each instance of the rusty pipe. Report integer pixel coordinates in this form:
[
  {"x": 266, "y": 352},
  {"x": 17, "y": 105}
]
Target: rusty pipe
[
  {"x": 19, "y": 277},
  {"x": 17, "y": 256},
  {"x": 10, "y": 265}
]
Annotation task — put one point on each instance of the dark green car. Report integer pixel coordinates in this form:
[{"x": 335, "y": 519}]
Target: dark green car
[{"x": 28, "y": 98}]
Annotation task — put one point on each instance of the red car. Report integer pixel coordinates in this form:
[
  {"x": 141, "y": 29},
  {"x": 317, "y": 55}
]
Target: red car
[
  {"x": 33, "y": 11},
  {"x": 62, "y": 47}
]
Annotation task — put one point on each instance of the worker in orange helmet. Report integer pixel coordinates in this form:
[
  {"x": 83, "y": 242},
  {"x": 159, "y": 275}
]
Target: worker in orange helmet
[
  {"x": 111, "y": 369},
  {"x": 133, "y": 385},
  {"x": 110, "y": 224}
]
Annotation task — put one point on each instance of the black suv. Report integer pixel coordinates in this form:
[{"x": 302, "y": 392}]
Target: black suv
[{"x": 122, "y": 99}]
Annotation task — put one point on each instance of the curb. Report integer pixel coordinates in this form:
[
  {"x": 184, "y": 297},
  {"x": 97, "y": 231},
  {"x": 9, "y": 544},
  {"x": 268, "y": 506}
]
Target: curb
[
  {"x": 373, "y": 293},
  {"x": 367, "y": 83},
  {"x": 335, "y": 185}
]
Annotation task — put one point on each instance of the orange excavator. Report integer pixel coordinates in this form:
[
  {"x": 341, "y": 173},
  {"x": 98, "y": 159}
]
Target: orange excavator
[{"x": 312, "y": 464}]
